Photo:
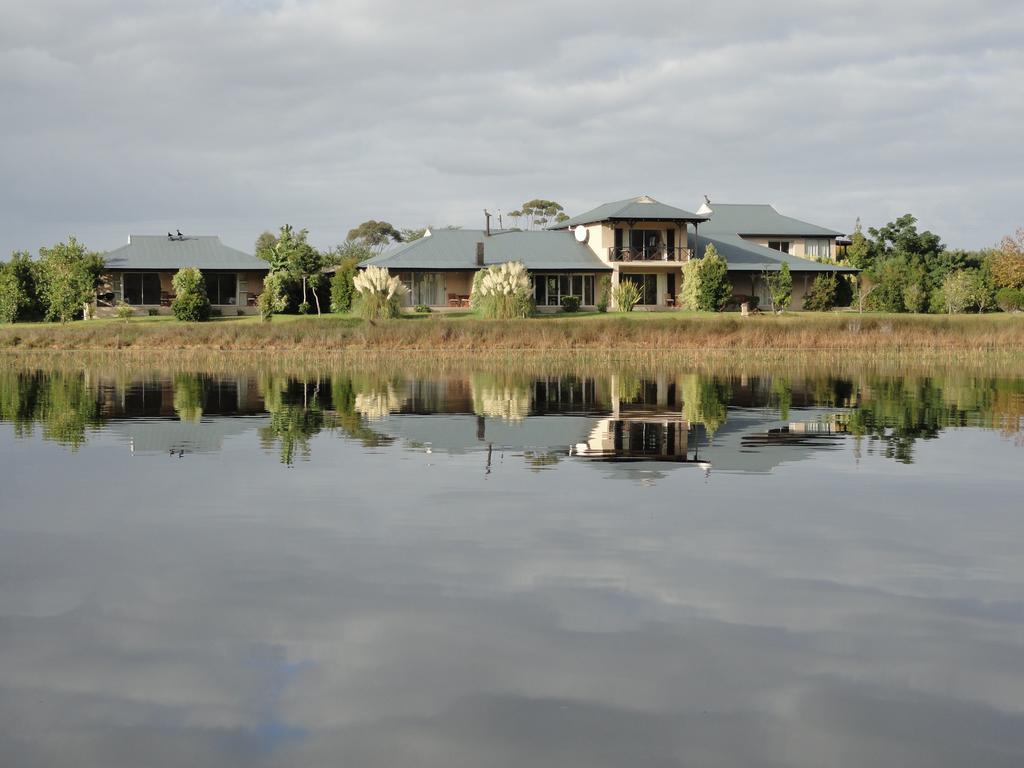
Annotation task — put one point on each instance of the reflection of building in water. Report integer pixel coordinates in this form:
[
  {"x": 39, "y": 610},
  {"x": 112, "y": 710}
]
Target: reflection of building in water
[
  {"x": 156, "y": 397},
  {"x": 184, "y": 414},
  {"x": 623, "y": 439}
]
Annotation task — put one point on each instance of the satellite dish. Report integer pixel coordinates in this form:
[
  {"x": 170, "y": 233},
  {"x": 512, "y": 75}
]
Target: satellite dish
[{"x": 581, "y": 233}]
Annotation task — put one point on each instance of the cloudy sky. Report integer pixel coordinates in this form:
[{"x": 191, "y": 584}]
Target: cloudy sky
[{"x": 231, "y": 117}]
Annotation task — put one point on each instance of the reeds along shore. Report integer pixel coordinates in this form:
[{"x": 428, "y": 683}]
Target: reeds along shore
[{"x": 1001, "y": 334}]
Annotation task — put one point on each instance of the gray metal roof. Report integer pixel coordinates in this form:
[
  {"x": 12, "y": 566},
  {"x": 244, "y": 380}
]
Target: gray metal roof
[
  {"x": 759, "y": 220},
  {"x": 449, "y": 249},
  {"x": 633, "y": 209},
  {"x": 743, "y": 256},
  {"x": 159, "y": 252}
]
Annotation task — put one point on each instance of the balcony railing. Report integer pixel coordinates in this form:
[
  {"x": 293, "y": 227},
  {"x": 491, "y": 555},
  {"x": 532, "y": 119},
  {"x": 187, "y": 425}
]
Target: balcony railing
[{"x": 650, "y": 253}]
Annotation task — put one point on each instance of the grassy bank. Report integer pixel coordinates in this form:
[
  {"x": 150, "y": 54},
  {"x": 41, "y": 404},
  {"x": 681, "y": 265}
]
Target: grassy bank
[{"x": 636, "y": 333}]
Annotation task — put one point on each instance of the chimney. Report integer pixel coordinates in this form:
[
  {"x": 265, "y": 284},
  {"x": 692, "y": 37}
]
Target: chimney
[
  {"x": 487, "y": 219},
  {"x": 479, "y": 254}
]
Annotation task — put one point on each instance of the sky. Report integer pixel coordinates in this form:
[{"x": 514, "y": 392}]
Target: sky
[{"x": 233, "y": 117}]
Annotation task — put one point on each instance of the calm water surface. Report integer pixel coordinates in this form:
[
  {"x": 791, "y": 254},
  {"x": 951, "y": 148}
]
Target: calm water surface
[{"x": 492, "y": 569}]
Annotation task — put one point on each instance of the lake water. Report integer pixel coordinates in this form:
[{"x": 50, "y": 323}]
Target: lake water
[{"x": 493, "y": 568}]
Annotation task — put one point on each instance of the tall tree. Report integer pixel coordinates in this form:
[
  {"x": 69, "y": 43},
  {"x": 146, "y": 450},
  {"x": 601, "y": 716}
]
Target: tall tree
[
  {"x": 375, "y": 234},
  {"x": 71, "y": 275},
  {"x": 540, "y": 212},
  {"x": 292, "y": 256},
  {"x": 1007, "y": 264},
  {"x": 409, "y": 235}
]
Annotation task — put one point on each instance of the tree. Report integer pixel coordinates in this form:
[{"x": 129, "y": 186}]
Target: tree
[
  {"x": 409, "y": 235},
  {"x": 265, "y": 241},
  {"x": 540, "y": 212},
  {"x": 292, "y": 257},
  {"x": 706, "y": 286},
  {"x": 958, "y": 292},
  {"x": 19, "y": 289},
  {"x": 273, "y": 299},
  {"x": 715, "y": 288},
  {"x": 70, "y": 276},
  {"x": 191, "y": 303},
  {"x": 859, "y": 252},
  {"x": 1007, "y": 264},
  {"x": 901, "y": 238},
  {"x": 375, "y": 234},
  {"x": 780, "y": 286}
]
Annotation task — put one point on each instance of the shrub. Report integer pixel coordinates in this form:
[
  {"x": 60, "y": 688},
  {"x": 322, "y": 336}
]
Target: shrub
[
  {"x": 626, "y": 295},
  {"x": 343, "y": 289},
  {"x": 1010, "y": 299},
  {"x": 191, "y": 303},
  {"x": 123, "y": 310},
  {"x": 304, "y": 308},
  {"x": 706, "y": 286},
  {"x": 423, "y": 309},
  {"x": 273, "y": 298},
  {"x": 153, "y": 312},
  {"x": 604, "y": 292},
  {"x": 571, "y": 303},
  {"x": 379, "y": 294},
  {"x": 821, "y": 296},
  {"x": 503, "y": 291}
]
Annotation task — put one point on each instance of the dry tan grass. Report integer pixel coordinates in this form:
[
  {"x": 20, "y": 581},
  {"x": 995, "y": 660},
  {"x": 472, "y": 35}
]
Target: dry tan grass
[{"x": 1003, "y": 334}]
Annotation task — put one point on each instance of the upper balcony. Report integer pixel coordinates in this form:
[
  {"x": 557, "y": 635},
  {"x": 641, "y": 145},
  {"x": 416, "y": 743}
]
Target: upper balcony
[{"x": 656, "y": 252}]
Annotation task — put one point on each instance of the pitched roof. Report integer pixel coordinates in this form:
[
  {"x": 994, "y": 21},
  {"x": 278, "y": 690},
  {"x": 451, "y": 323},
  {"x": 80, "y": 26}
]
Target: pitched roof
[
  {"x": 160, "y": 252},
  {"x": 446, "y": 249},
  {"x": 758, "y": 220},
  {"x": 633, "y": 209},
  {"x": 744, "y": 256}
]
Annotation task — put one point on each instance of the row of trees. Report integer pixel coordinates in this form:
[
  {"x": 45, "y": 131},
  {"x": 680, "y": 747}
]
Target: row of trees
[
  {"x": 904, "y": 270},
  {"x": 58, "y": 286}
]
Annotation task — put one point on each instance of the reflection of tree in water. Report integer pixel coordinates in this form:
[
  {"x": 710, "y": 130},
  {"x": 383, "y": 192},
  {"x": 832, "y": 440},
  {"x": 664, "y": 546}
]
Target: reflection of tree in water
[
  {"x": 65, "y": 407},
  {"x": 295, "y": 415},
  {"x": 705, "y": 400},
  {"x": 188, "y": 397},
  {"x": 895, "y": 413},
  {"x": 347, "y": 418}
]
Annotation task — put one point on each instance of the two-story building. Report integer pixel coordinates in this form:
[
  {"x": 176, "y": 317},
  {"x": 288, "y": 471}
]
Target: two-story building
[{"x": 639, "y": 239}]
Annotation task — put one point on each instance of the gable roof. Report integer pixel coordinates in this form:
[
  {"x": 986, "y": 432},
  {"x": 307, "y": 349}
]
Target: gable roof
[
  {"x": 450, "y": 249},
  {"x": 160, "y": 252},
  {"x": 744, "y": 256},
  {"x": 633, "y": 209},
  {"x": 758, "y": 220}
]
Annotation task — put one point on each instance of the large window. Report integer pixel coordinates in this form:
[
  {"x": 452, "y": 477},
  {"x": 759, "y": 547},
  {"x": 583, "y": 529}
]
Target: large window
[
  {"x": 779, "y": 245},
  {"x": 818, "y": 249},
  {"x": 648, "y": 285},
  {"x": 424, "y": 288},
  {"x": 550, "y": 289},
  {"x": 221, "y": 287},
  {"x": 142, "y": 288}
]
